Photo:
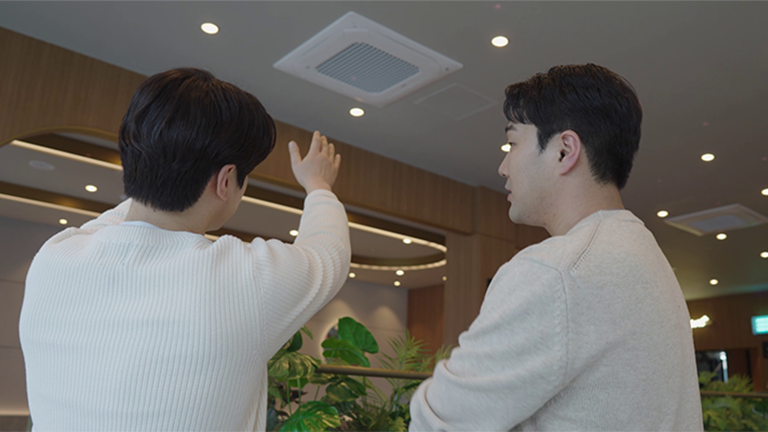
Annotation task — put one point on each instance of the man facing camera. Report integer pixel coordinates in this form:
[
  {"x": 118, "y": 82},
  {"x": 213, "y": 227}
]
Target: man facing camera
[
  {"x": 136, "y": 321},
  {"x": 587, "y": 330}
]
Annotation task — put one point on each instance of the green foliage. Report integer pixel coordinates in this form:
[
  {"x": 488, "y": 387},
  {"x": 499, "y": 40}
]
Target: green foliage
[
  {"x": 358, "y": 335},
  {"x": 350, "y": 403},
  {"x": 345, "y": 351},
  {"x": 726, "y": 413},
  {"x": 312, "y": 416}
]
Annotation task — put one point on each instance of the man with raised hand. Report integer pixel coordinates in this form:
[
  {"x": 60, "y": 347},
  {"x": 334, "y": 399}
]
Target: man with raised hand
[
  {"x": 136, "y": 321},
  {"x": 587, "y": 330}
]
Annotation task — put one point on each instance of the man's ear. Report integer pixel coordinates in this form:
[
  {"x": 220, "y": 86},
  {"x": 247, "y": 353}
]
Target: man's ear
[
  {"x": 569, "y": 150},
  {"x": 223, "y": 182}
]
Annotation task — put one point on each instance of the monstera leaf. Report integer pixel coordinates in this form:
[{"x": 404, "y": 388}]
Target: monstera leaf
[
  {"x": 353, "y": 331},
  {"x": 291, "y": 366},
  {"x": 312, "y": 416},
  {"x": 346, "y": 351},
  {"x": 344, "y": 389}
]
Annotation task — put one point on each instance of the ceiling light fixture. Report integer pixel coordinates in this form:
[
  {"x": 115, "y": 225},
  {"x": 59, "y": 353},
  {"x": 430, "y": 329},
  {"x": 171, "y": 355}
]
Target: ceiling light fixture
[
  {"x": 210, "y": 28},
  {"x": 722, "y": 236},
  {"x": 764, "y": 192},
  {"x": 399, "y": 272},
  {"x": 764, "y": 254},
  {"x": 506, "y": 147},
  {"x": 63, "y": 221},
  {"x": 662, "y": 213},
  {"x": 445, "y": 278},
  {"x": 407, "y": 241},
  {"x": 397, "y": 283},
  {"x": 91, "y": 188},
  {"x": 707, "y": 157},
  {"x": 499, "y": 41},
  {"x": 356, "y": 112},
  {"x": 293, "y": 233},
  {"x": 714, "y": 281},
  {"x": 352, "y": 275}
]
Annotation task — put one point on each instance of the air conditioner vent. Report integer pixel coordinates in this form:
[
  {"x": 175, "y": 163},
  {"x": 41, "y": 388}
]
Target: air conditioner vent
[
  {"x": 717, "y": 220},
  {"x": 368, "y": 68},
  {"x": 366, "y": 61}
]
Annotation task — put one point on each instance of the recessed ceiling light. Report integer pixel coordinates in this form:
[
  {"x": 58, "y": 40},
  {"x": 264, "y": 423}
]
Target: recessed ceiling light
[
  {"x": 210, "y": 28},
  {"x": 407, "y": 241},
  {"x": 356, "y": 112},
  {"x": 63, "y": 221},
  {"x": 662, "y": 213},
  {"x": 499, "y": 41},
  {"x": 399, "y": 272},
  {"x": 397, "y": 283},
  {"x": 445, "y": 278},
  {"x": 506, "y": 147},
  {"x": 721, "y": 236},
  {"x": 352, "y": 275},
  {"x": 707, "y": 157},
  {"x": 764, "y": 254},
  {"x": 764, "y": 192},
  {"x": 294, "y": 233},
  {"x": 44, "y": 166},
  {"x": 91, "y": 188},
  {"x": 714, "y": 281}
]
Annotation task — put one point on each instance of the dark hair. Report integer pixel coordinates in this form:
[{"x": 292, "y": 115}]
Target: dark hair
[
  {"x": 597, "y": 104},
  {"x": 181, "y": 127}
]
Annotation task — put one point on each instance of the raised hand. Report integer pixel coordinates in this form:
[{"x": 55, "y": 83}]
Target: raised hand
[{"x": 319, "y": 168}]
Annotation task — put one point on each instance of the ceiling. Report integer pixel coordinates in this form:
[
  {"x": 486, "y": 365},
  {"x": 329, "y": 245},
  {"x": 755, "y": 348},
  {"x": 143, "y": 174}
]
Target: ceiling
[{"x": 699, "y": 69}]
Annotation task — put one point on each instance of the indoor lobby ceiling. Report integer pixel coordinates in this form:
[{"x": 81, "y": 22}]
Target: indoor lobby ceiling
[{"x": 699, "y": 69}]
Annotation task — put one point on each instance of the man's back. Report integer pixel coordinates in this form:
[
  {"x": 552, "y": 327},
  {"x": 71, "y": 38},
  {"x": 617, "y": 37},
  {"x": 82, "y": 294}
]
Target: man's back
[
  {"x": 132, "y": 327},
  {"x": 585, "y": 331}
]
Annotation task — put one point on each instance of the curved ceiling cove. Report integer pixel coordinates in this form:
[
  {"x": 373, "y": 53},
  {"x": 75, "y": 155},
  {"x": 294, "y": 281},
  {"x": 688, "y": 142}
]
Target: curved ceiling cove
[{"x": 43, "y": 179}]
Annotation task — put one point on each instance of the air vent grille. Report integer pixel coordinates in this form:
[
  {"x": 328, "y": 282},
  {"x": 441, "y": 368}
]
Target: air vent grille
[
  {"x": 368, "y": 68},
  {"x": 720, "y": 219}
]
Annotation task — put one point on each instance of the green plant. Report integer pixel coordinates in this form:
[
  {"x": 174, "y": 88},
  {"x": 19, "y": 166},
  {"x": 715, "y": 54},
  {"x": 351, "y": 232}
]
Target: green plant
[
  {"x": 350, "y": 403},
  {"x": 727, "y": 413}
]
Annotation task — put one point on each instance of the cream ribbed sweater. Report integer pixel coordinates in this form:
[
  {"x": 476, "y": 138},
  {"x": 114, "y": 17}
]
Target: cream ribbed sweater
[
  {"x": 134, "y": 328},
  {"x": 586, "y": 331}
]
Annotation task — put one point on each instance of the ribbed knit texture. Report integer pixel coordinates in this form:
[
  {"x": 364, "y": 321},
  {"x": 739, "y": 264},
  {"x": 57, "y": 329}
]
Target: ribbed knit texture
[
  {"x": 133, "y": 328},
  {"x": 586, "y": 331}
]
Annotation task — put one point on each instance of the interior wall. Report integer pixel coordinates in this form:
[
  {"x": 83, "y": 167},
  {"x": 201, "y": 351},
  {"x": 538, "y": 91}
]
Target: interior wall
[
  {"x": 730, "y": 330},
  {"x": 19, "y": 242}
]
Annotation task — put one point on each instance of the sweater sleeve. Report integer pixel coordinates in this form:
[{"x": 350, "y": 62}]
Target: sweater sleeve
[
  {"x": 298, "y": 280},
  {"x": 510, "y": 362}
]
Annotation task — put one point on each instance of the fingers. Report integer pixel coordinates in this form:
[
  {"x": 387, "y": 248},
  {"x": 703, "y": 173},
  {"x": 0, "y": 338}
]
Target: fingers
[
  {"x": 293, "y": 150},
  {"x": 316, "y": 145},
  {"x": 337, "y": 162}
]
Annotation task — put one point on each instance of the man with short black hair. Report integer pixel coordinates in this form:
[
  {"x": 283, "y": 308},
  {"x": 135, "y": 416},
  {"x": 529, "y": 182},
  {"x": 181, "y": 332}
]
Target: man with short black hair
[
  {"x": 136, "y": 321},
  {"x": 587, "y": 330}
]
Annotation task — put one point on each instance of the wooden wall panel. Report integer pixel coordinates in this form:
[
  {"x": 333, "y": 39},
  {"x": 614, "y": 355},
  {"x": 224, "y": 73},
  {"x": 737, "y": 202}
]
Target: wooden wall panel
[
  {"x": 45, "y": 87},
  {"x": 426, "y": 315},
  {"x": 731, "y": 328},
  {"x": 472, "y": 261},
  {"x": 491, "y": 214}
]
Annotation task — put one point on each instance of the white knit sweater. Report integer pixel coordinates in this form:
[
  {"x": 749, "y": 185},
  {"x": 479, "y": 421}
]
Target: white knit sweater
[
  {"x": 133, "y": 328},
  {"x": 586, "y": 331}
]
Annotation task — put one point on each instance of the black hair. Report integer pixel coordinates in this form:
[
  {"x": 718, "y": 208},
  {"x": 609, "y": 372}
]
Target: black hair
[
  {"x": 597, "y": 104},
  {"x": 182, "y": 126}
]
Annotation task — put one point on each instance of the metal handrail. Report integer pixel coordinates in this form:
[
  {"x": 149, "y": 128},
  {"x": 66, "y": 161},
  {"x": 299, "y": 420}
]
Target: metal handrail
[
  {"x": 736, "y": 395},
  {"x": 373, "y": 372},
  {"x": 388, "y": 373}
]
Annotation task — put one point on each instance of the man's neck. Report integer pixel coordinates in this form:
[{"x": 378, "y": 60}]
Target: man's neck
[
  {"x": 189, "y": 220},
  {"x": 573, "y": 208}
]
